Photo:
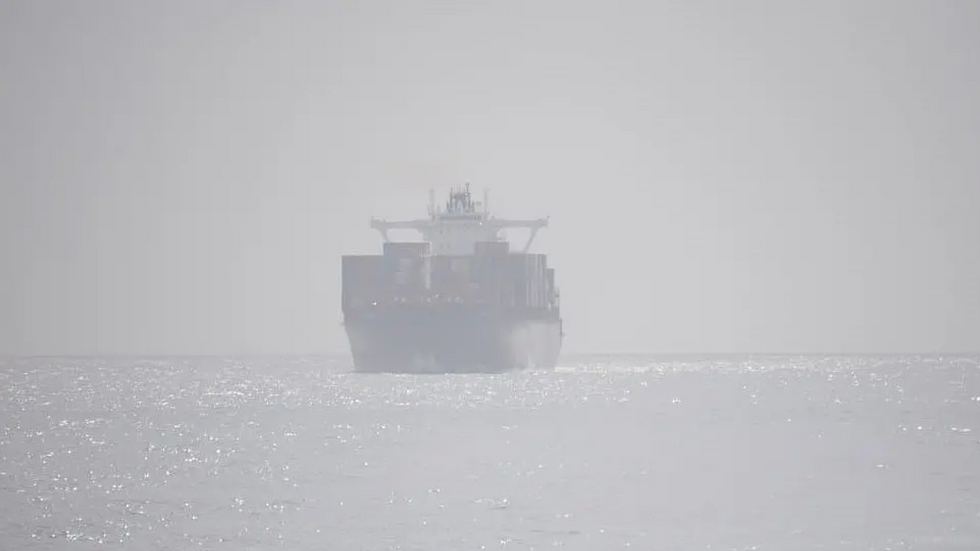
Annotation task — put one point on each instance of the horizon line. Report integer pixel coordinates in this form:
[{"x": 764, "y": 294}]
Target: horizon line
[{"x": 564, "y": 354}]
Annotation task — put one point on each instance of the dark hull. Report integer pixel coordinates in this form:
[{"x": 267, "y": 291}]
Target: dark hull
[{"x": 452, "y": 340}]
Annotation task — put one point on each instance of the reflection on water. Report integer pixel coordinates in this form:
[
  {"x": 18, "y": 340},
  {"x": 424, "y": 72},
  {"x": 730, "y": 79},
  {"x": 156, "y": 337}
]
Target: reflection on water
[{"x": 606, "y": 452}]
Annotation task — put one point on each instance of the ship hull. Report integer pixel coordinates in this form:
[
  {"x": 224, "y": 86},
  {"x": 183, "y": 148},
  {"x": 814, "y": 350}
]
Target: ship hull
[{"x": 452, "y": 340}]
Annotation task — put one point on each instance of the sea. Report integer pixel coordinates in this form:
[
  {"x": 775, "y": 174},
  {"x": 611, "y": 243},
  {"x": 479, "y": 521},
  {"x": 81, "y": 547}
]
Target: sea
[{"x": 605, "y": 452}]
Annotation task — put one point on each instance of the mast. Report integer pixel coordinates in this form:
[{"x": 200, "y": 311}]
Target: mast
[{"x": 456, "y": 230}]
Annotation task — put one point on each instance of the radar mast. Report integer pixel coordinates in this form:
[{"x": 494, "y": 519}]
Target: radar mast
[{"x": 455, "y": 227}]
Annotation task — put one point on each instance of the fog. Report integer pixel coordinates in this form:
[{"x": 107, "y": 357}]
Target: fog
[{"x": 182, "y": 177}]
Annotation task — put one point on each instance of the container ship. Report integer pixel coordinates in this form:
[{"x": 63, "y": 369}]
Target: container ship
[{"x": 457, "y": 301}]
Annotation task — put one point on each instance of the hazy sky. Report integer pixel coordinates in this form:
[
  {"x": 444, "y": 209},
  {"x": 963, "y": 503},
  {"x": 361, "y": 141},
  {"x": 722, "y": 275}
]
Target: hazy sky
[{"x": 183, "y": 176}]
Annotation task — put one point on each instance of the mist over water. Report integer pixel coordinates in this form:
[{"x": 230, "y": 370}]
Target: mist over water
[
  {"x": 607, "y": 452},
  {"x": 181, "y": 179}
]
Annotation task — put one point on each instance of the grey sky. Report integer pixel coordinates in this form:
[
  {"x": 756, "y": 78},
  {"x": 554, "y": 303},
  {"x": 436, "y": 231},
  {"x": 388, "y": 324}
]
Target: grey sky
[{"x": 182, "y": 177}]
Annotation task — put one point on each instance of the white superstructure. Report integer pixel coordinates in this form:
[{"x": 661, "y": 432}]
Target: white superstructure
[{"x": 456, "y": 227}]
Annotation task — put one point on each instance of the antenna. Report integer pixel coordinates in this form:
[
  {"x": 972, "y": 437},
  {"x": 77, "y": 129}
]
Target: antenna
[{"x": 455, "y": 230}]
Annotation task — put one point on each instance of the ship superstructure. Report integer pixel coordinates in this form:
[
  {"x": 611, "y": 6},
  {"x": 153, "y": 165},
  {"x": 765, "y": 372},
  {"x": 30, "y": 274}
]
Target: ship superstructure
[{"x": 458, "y": 300}]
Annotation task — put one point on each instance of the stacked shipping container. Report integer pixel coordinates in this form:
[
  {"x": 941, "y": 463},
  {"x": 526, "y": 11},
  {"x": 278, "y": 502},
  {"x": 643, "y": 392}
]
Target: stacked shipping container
[
  {"x": 363, "y": 281},
  {"x": 408, "y": 268},
  {"x": 451, "y": 278},
  {"x": 407, "y": 273},
  {"x": 491, "y": 248}
]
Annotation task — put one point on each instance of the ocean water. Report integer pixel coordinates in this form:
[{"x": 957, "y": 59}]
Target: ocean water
[{"x": 611, "y": 452}]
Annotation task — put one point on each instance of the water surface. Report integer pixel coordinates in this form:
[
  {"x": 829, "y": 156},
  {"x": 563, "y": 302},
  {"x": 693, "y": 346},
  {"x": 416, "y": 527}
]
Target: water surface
[{"x": 607, "y": 452}]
